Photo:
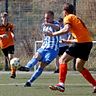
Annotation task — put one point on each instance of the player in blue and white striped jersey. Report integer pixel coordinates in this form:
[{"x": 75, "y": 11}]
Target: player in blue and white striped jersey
[
  {"x": 50, "y": 42},
  {"x": 47, "y": 52}
]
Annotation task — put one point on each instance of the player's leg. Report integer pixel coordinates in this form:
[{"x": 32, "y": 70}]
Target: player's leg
[
  {"x": 49, "y": 56},
  {"x": 69, "y": 54},
  {"x": 31, "y": 63},
  {"x": 85, "y": 73},
  {"x": 80, "y": 61},
  {"x": 62, "y": 73},
  {"x": 6, "y": 64},
  {"x": 57, "y": 65},
  {"x": 61, "y": 51},
  {"x": 37, "y": 56},
  {"x": 5, "y": 52},
  {"x": 10, "y": 56},
  {"x": 35, "y": 75},
  {"x": 74, "y": 64},
  {"x": 13, "y": 69}
]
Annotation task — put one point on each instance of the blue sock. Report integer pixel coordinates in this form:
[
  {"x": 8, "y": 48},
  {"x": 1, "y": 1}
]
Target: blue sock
[
  {"x": 32, "y": 63},
  {"x": 36, "y": 74}
]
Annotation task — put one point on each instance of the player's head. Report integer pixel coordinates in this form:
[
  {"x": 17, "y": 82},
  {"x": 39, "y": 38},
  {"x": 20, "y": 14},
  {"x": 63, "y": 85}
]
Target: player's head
[
  {"x": 4, "y": 17},
  {"x": 68, "y": 8},
  {"x": 60, "y": 20},
  {"x": 4, "y": 14},
  {"x": 49, "y": 16}
]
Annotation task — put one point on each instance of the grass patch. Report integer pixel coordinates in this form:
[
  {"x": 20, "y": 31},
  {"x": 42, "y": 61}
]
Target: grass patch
[{"x": 75, "y": 85}]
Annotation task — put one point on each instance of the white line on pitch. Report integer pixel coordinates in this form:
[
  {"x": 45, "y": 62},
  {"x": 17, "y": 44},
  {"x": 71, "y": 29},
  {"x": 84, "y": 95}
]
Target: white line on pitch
[{"x": 12, "y": 84}]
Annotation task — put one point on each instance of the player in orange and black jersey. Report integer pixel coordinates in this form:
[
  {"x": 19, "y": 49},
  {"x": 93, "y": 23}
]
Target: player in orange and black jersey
[
  {"x": 80, "y": 49},
  {"x": 7, "y": 40}
]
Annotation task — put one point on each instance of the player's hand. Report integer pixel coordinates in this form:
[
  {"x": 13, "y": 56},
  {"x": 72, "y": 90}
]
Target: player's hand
[
  {"x": 68, "y": 41},
  {"x": 49, "y": 33},
  {"x": 63, "y": 41},
  {"x": 47, "y": 24},
  {"x": 4, "y": 36}
]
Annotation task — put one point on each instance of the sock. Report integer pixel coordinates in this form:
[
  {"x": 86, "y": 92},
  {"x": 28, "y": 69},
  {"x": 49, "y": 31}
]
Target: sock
[
  {"x": 36, "y": 74},
  {"x": 86, "y": 74},
  {"x": 31, "y": 63},
  {"x": 62, "y": 72},
  {"x": 13, "y": 70}
]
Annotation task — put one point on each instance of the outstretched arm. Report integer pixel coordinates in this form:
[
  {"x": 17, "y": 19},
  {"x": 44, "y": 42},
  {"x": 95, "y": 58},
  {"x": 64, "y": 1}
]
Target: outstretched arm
[
  {"x": 68, "y": 41},
  {"x": 53, "y": 26},
  {"x": 60, "y": 32}
]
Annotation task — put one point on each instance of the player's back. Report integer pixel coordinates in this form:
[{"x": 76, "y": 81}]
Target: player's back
[{"x": 78, "y": 28}]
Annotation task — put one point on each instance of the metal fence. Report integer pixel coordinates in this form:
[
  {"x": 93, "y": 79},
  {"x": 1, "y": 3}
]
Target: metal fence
[{"x": 27, "y": 15}]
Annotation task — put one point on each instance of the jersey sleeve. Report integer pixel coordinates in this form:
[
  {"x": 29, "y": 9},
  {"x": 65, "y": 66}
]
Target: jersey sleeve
[
  {"x": 11, "y": 26},
  {"x": 67, "y": 20}
]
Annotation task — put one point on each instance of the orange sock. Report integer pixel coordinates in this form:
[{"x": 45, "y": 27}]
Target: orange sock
[
  {"x": 86, "y": 74},
  {"x": 62, "y": 72},
  {"x": 13, "y": 70}
]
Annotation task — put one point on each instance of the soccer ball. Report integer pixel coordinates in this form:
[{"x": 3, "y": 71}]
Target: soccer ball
[{"x": 15, "y": 62}]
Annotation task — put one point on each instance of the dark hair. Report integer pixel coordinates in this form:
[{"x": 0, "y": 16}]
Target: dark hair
[
  {"x": 69, "y": 8},
  {"x": 60, "y": 19},
  {"x": 50, "y": 12}
]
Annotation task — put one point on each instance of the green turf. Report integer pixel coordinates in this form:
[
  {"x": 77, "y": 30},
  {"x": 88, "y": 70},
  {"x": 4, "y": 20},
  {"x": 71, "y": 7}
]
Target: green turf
[{"x": 75, "y": 86}]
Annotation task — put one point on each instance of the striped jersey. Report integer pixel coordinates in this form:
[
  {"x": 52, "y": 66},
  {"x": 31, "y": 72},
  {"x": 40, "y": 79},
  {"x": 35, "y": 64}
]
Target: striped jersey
[
  {"x": 64, "y": 36},
  {"x": 50, "y": 42}
]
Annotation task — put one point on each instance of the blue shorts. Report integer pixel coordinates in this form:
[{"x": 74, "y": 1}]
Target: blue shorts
[{"x": 47, "y": 55}]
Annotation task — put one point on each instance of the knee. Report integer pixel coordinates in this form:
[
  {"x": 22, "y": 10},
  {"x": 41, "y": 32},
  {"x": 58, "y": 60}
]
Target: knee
[
  {"x": 79, "y": 68},
  {"x": 36, "y": 55},
  {"x": 62, "y": 61},
  {"x": 42, "y": 65}
]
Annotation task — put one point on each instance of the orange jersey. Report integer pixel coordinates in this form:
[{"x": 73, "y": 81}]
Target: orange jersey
[
  {"x": 8, "y": 41},
  {"x": 78, "y": 29}
]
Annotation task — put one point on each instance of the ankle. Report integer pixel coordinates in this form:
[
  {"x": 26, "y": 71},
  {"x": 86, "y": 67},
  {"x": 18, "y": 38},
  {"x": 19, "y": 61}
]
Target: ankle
[{"x": 62, "y": 84}]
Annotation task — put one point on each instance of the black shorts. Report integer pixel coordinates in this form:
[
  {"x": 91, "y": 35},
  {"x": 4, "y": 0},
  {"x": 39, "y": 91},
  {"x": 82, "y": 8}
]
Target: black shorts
[
  {"x": 8, "y": 50},
  {"x": 62, "y": 50},
  {"x": 80, "y": 50}
]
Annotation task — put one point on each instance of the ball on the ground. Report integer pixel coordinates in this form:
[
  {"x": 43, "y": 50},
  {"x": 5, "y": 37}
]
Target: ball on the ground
[{"x": 15, "y": 62}]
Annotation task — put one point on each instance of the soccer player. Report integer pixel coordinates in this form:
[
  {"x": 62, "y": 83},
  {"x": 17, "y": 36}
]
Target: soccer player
[
  {"x": 80, "y": 49},
  {"x": 47, "y": 52},
  {"x": 7, "y": 40},
  {"x": 62, "y": 46}
]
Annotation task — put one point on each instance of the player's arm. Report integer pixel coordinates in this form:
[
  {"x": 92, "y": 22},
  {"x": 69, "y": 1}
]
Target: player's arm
[
  {"x": 60, "y": 32},
  {"x": 3, "y": 36},
  {"x": 12, "y": 34},
  {"x": 11, "y": 29},
  {"x": 70, "y": 41},
  {"x": 53, "y": 26},
  {"x": 69, "y": 36}
]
